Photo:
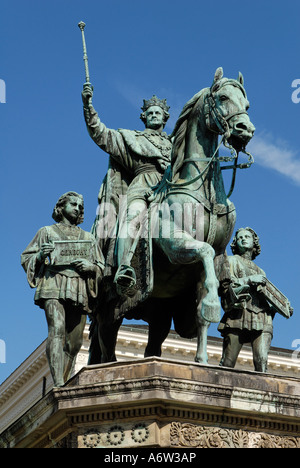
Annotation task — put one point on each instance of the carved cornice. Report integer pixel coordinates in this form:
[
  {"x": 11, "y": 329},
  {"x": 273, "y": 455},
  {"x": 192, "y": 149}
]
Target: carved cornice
[{"x": 245, "y": 400}]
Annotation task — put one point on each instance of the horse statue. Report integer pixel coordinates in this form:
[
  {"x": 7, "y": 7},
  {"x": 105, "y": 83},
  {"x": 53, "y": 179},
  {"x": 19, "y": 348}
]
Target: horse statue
[{"x": 188, "y": 263}]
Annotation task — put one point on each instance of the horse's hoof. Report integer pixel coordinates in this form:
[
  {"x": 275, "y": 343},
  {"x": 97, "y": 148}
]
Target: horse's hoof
[{"x": 201, "y": 359}]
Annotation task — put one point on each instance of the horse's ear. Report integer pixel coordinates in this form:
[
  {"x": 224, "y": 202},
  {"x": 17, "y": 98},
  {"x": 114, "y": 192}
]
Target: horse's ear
[
  {"x": 241, "y": 79},
  {"x": 218, "y": 74}
]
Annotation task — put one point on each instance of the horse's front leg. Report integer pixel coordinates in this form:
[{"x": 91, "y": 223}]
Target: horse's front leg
[
  {"x": 187, "y": 250},
  {"x": 202, "y": 324},
  {"x": 202, "y": 331},
  {"x": 211, "y": 308}
]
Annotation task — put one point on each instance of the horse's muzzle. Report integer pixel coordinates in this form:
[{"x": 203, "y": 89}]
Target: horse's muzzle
[{"x": 241, "y": 133}]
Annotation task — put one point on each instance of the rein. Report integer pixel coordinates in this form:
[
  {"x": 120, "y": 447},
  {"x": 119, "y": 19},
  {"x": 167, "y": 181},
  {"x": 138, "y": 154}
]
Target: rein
[
  {"x": 221, "y": 123},
  {"x": 196, "y": 159}
]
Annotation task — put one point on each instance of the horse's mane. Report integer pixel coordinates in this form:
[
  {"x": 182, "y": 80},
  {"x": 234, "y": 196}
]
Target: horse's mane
[{"x": 179, "y": 133}]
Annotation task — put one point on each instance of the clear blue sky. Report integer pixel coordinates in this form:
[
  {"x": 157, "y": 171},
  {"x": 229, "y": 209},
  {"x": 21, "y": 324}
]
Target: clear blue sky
[{"x": 137, "y": 48}]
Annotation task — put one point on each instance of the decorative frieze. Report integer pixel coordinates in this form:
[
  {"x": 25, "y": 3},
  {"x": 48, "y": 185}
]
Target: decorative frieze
[
  {"x": 192, "y": 436},
  {"x": 118, "y": 435},
  {"x": 173, "y": 435}
]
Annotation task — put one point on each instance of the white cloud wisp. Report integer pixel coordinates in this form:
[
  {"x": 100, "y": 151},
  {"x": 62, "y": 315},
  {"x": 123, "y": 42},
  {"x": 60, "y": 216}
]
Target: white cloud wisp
[{"x": 275, "y": 155}]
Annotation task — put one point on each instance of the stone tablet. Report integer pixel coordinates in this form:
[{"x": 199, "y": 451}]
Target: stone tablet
[
  {"x": 67, "y": 251},
  {"x": 275, "y": 297}
]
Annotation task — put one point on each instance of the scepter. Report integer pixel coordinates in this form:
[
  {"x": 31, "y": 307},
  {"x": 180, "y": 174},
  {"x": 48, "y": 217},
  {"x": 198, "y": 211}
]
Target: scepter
[{"x": 81, "y": 26}]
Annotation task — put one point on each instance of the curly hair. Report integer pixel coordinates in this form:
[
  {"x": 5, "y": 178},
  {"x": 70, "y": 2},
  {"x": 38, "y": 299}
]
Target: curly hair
[
  {"x": 256, "y": 245},
  {"x": 57, "y": 211}
]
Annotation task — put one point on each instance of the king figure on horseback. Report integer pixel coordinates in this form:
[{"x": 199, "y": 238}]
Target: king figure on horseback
[{"x": 138, "y": 160}]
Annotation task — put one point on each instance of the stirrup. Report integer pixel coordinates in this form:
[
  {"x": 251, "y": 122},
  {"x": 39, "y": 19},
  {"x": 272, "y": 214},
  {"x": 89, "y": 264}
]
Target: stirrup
[{"x": 125, "y": 280}]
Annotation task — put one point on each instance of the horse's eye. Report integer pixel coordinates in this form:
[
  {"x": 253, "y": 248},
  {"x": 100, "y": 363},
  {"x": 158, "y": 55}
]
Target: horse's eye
[{"x": 223, "y": 97}]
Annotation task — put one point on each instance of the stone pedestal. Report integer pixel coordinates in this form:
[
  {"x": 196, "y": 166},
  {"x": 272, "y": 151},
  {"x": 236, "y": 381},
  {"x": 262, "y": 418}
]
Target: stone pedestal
[{"x": 156, "y": 402}]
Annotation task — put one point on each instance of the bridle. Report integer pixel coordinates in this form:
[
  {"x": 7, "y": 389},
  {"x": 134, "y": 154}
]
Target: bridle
[
  {"x": 212, "y": 113},
  {"x": 217, "y": 123}
]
